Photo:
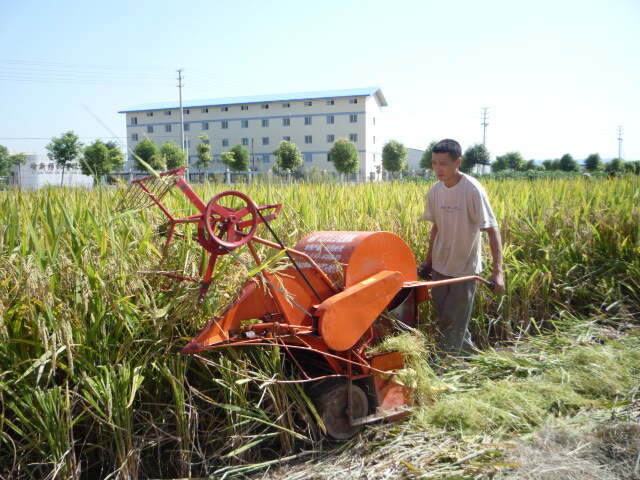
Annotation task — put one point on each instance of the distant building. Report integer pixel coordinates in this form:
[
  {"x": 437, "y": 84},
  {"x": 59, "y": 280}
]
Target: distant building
[
  {"x": 414, "y": 156},
  {"x": 39, "y": 171},
  {"x": 311, "y": 120}
]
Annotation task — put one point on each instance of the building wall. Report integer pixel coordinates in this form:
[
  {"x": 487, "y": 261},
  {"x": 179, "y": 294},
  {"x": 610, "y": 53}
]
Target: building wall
[
  {"x": 39, "y": 171},
  {"x": 216, "y": 118},
  {"x": 414, "y": 156}
]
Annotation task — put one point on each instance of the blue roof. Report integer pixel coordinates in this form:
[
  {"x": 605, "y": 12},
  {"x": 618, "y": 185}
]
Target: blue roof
[{"x": 280, "y": 97}]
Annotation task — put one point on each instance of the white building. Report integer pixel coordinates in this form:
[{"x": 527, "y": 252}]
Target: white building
[
  {"x": 39, "y": 171},
  {"x": 311, "y": 120},
  {"x": 414, "y": 155}
]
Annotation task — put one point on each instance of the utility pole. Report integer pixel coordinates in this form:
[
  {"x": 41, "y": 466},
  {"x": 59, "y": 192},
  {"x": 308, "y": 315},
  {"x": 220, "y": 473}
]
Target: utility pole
[
  {"x": 485, "y": 118},
  {"x": 620, "y": 131},
  {"x": 182, "y": 145},
  {"x": 485, "y": 122}
]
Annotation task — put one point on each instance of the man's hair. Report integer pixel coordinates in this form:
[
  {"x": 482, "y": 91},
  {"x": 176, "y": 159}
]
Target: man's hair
[{"x": 448, "y": 146}]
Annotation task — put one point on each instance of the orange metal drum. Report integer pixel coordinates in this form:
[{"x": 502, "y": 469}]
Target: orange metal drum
[{"x": 350, "y": 257}]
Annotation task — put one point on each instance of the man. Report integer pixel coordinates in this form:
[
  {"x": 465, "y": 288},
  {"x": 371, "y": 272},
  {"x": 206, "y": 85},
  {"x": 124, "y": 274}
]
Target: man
[{"x": 459, "y": 209}]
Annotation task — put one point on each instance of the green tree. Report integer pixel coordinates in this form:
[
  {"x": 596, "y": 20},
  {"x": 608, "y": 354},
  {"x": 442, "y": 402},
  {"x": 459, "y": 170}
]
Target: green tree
[
  {"x": 100, "y": 159},
  {"x": 512, "y": 160},
  {"x": 568, "y": 164},
  {"x": 240, "y": 158},
  {"x": 475, "y": 155},
  {"x": 227, "y": 158},
  {"x": 173, "y": 155},
  {"x": 203, "y": 153},
  {"x": 425, "y": 160},
  {"x": 499, "y": 164},
  {"x": 614, "y": 167},
  {"x": 633, "y": 167},
  {"x": 344, "y": 156},
  {"x": 64, "y": 150},
  {"x": 96, "y": 161},
  {"x": 116, "y": 156},
  {"x": 5, "y": 162},
  {"x": 288, "y": 156},
  {"x": 394, "y": 156},
  {"x": 530, "y": 165},
  {"x": 146, "y": 151},
  {"x": 593, "y": 163}
]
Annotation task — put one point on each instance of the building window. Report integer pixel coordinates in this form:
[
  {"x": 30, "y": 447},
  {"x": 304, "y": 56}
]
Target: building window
[
  {"x": 149, "y": 114},
  {"x": 286, "y": 105},
  {"x": 205, "y": 141},
  {"x": 167, "y": 128},
  {"x": 307, "y": 120},
  {"x": 331, "y": 102},
  {"x": 286, "y": 122},
  {"x": 149, "y": 128},
  {"x": 308, "y": 139},
  {"x": 224, "y": 124},
  {"x": 353, "y": 118},
  {"x": 204, "y": 110},
  {"x": 186, "y": 111},
  {"x": 308, "y": 103},
  {"x": 167, "y": 112},
  {"x": 265, "y": 106},
  {"x": 188, "y": 144},
  {"x": 225, "y": 142},
  {"x": 244, "y": 107},
  {"x": 374, "y": 121},
  {"x": 308, "y": 157},
  {"x": 330, "y": 138},
  {"x": 353, "y": 137},
  {"x": 224, "y": 109},
  {"x": 205, "y": 125},
  {"x": 134, "y": 137},
  {"x": 186, "y": 127},
  {"x": 328, "y": 156},
  {"x": 265, "y": 158},
  {"x": 265, "y": 122},
  {"x": 245, "y": 141},
  {"x": 331, "y": 119},
  {"x": 286, "y": 138},
  {"x": 244, "y": 123},
  {"x": 353, "y": 100},
  {"x": 134, "y": 120},
  {"x": 265, "y": 140},
  {"x": 374, "y": 139}
]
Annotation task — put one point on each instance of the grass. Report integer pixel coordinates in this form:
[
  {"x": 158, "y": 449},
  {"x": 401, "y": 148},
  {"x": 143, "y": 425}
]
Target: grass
[{"x": 91, "y": 382}]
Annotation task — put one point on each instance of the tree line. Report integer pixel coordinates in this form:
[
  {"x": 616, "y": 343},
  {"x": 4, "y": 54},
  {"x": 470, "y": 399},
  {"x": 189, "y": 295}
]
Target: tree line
[
  {"x": 479, "y": 155},
  {"x": 99, "y": 159}
]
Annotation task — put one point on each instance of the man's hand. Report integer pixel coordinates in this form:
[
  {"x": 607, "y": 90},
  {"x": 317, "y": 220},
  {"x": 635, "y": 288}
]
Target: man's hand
[
  {"x": 425, "y": 269},
  {"x": 497, "y": 280}
]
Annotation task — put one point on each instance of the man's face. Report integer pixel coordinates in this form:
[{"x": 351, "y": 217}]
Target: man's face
[{"x": 444, "y": 167}]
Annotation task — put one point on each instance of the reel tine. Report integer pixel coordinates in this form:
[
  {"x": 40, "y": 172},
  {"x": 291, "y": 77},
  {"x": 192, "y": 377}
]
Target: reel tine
[{"x": 135, "y": 197}]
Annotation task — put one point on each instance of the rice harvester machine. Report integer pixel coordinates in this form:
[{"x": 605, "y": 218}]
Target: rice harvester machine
[{"x": 341, "y": 293}]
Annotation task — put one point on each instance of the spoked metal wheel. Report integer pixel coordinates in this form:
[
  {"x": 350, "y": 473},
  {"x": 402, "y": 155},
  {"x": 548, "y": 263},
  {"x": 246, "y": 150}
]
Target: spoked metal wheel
[{"x": 332, "y": 403}]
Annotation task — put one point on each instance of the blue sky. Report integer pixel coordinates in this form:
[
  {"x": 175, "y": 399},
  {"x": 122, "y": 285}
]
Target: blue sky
[{"x": 559, "y": 76}]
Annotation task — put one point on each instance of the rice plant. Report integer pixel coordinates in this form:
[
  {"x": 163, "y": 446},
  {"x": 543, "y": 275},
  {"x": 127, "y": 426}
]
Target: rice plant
[{"x": 91, "y": 383}]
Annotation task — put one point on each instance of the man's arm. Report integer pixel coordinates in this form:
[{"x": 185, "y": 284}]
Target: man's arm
[
  {"x": 426, "y": 266},
  {"x": 495, "y": 242}
]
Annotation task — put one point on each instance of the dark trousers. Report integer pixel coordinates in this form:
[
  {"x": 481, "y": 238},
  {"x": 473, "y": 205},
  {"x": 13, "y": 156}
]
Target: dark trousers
[{"x": 453, "y": 304}]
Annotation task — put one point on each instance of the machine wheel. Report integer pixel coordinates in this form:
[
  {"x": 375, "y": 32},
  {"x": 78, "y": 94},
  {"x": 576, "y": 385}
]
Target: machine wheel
[{"x": 332, "y": 407}]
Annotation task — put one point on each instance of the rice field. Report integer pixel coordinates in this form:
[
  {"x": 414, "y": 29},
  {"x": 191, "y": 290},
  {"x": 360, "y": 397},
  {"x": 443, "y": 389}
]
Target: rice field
[{"x": 92, "y": 386}]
